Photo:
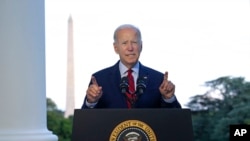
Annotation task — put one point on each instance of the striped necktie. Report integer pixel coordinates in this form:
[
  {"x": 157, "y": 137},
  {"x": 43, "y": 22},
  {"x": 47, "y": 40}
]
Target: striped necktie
[{"x": 131, "y": 87}]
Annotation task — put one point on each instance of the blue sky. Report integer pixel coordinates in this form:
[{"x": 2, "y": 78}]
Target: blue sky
[{"x": 194, "y": 40}]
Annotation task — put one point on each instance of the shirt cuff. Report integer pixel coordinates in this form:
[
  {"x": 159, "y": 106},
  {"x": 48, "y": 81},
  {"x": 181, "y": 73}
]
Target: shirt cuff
[
  {"x": 170, "y": 100},
  {"x": 90, "y": 105}
]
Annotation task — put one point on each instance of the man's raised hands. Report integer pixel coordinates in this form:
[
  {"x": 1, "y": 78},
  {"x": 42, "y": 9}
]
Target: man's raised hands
[
  {"x": 94, "y": 91},
  {"x": 167, "y": 88}
]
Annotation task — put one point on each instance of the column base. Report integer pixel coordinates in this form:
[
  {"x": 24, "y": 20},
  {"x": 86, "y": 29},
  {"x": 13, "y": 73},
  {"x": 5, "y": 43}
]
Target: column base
[{"x": 27, "y": 136}]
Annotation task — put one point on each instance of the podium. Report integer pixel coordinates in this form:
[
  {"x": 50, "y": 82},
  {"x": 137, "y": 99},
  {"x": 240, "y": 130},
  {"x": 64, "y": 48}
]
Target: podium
[{"x": 132, "y": 125}]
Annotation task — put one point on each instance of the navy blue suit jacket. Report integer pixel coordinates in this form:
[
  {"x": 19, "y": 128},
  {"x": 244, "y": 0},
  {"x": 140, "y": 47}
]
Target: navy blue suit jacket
[{"x": 112, "y": 96}]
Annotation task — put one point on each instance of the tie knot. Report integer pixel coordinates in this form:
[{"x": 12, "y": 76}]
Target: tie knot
[{"x": 130, "y": 71}]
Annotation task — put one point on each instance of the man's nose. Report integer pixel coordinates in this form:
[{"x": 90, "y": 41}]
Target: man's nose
[{"x": 130, "y": 46}]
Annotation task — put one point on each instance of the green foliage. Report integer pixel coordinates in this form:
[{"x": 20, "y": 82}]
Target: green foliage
[
  {"x": 227, "y": 102},
  {"x": 56, "y": 122}
]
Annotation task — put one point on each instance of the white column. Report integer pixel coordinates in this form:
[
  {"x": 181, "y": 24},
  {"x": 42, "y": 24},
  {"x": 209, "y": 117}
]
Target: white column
[{"x": 22, "y": 71}]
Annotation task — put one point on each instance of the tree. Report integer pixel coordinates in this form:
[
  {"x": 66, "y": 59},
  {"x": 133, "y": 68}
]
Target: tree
[
  {"x": 226, "y": 102},
  {"x": 56, "y": 122}
]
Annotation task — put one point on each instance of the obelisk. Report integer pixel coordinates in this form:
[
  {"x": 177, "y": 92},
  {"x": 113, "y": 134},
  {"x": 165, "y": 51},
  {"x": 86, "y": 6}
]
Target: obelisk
[{"x": 70, "y": 95}]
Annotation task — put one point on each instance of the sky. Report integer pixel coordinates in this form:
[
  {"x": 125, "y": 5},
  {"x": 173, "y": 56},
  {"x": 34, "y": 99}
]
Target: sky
[{"x": 195, "y": 41}]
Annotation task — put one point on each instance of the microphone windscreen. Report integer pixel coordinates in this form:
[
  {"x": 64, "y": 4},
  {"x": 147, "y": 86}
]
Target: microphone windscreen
[{"x": 124, "y": 84}]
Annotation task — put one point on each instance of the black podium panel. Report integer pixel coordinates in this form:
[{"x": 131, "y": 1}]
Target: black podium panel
[{"x": 137, "y": 124}]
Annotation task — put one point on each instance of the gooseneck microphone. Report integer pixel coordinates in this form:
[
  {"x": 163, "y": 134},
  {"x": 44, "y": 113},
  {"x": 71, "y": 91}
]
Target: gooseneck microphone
[
  {"x": 140, "y": 88},
  {"x": 140, "y": 85},
  {"x": 124, "y": 85}
]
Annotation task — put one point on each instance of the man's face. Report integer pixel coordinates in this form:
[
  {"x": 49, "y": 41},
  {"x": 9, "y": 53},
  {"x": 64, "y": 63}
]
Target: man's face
[{"x": 128, "y": 46}]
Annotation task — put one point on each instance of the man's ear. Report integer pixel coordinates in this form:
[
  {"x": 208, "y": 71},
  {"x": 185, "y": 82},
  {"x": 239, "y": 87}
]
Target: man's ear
[
  {"x": 141, "y": 47},
  {"x": 115, "y": 48}
]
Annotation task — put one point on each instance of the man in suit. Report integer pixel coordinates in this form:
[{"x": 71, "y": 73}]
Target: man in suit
[{"x": 104, "y": 90}]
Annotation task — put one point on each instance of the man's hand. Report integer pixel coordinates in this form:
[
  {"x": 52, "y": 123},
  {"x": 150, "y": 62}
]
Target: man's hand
[
  {"x": 167, "y": 88},
  {"x": 94, "y": 91}
]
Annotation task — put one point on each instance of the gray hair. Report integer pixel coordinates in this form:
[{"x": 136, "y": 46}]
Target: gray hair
[{"x": 124, "y": 26}]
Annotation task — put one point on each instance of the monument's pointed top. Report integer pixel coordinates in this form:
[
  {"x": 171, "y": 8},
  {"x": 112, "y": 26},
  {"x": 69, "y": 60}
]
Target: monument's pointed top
[{"x": 70, "y": 18}]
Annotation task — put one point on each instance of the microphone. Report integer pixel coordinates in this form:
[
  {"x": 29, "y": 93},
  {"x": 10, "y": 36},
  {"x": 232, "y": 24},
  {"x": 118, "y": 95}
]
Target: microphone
[
  {"x": 141, "y": 85},
  {"x": 124, "y": 85}
]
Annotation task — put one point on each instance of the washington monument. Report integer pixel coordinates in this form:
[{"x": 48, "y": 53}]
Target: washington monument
[{"x": 70, "y": 95}]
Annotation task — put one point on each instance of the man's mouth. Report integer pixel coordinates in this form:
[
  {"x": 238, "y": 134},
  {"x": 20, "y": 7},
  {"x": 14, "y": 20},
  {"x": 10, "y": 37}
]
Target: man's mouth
[{"x": 130, "y": 54}]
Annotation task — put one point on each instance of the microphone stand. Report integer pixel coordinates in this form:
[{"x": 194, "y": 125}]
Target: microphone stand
[
  {"x": 141, "y": 86},
  {"x": 133, "y": 99}
]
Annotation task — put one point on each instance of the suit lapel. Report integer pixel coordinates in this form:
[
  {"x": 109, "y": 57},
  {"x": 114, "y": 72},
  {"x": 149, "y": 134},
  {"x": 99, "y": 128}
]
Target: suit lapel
[
  {"x": 116, "y": 80},
  {"x": 115, "y": 75},
  {"x": 143, "y": 73}
]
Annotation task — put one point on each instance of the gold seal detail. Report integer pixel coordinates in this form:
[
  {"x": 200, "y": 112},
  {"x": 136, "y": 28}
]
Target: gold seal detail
[{"x": 132, "y": 130}]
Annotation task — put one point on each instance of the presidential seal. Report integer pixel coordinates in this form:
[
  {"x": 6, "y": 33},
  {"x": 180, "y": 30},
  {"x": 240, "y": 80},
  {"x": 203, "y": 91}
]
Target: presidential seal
[{"x": 132, "y": 130}]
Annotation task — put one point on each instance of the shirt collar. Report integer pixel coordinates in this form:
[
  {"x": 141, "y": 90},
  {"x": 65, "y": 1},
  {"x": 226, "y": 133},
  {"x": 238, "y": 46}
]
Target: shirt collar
[{"x": 123, "y": 69}]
